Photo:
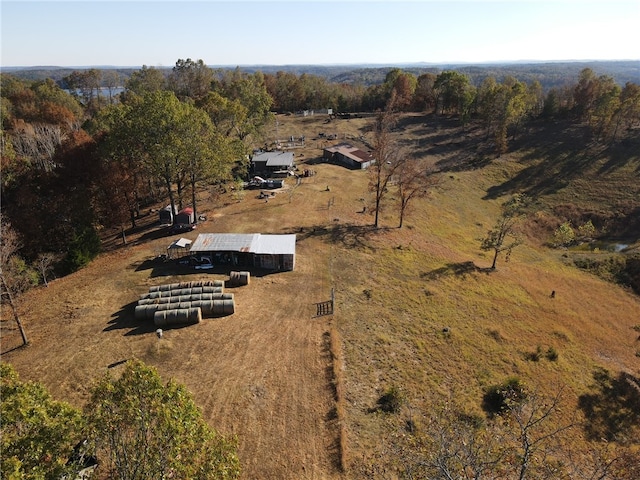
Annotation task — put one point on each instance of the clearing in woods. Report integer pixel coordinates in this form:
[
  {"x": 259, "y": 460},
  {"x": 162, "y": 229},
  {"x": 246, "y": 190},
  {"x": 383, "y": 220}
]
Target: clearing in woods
[
  {"x": 263, "y": 373},
  {"x": 415, "y": 309}
]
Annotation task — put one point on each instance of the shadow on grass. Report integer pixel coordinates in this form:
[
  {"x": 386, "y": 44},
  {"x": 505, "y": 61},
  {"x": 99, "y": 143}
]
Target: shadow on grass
[
  {"x": 124, "y": 319},
  {"x": 612, "y": 411},
  {"x": 345, "y": 234},
  {"x": 459, "y": 269},
  {"x": 560, "y": 153},
  {"x": 173, "y": 268}
]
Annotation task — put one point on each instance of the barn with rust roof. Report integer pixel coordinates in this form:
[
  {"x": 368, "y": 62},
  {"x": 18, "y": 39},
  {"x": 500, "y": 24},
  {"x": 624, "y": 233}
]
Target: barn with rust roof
[
  {"x": 348, "y": 155},
  {"x": 271, "y": 252}
]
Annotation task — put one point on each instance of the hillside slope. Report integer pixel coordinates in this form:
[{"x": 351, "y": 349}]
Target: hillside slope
[{"x": 415, "y": 308}]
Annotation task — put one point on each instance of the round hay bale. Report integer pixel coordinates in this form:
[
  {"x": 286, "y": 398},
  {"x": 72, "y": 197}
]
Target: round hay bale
[
  {"x": 164, "y": 300},
  {"x": 173, "y": 306},
  {"x": 158, "y": 294},
  {"x": 239, "y": 278},
  {"x": 176, "y": 292},
  {"x": 211, "y": 296},
  {"x": 216, "y": 296},
  {"x": 183, "y": 316},
  {"x": 244, "y": 278},
  {"x": 212, "y": 289},
  {"x": 163, "y": 288},
  {"x": 149, "y": 301},
  {"x": 181, "y": 298},
  {"x": 218, "y": 307},
  {"x": 228, "y": 306},
  {"x": 206, "y": 306},
  {"x": 145, "y": 311}
]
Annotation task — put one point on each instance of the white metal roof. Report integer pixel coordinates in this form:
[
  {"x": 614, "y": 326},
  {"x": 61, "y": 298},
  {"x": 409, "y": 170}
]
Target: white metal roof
[
  {"x": 276, "y": 244},
  {"x": 245, "y": 242},
  {"x": 180, "y": 243}
]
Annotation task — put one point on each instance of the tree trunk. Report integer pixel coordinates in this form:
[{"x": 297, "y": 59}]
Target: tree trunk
[
  {"x": 180, "y": 194},
  {"x": 15, "y": 311},
  {"x": 495, "y": 259},
  {"x": 172, "y": 200},
  {"x": 193, "y": 201},
  {"x": 378, "y": 199}
]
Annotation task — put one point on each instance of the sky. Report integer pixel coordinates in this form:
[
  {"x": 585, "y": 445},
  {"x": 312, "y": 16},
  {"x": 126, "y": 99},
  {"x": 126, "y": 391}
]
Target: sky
[{"x": 323, "y": 32}]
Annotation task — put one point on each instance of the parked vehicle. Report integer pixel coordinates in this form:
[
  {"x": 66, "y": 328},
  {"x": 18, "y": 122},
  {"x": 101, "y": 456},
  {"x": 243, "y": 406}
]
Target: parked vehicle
[
  {"x": 203, "y": 263},
  {"x": 182, "y": 227}
]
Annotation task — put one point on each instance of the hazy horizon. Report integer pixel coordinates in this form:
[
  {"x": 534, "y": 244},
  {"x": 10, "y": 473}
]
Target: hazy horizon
[
  {"x": 337, "y": 65},
  {"x": 325, "y": 32}
]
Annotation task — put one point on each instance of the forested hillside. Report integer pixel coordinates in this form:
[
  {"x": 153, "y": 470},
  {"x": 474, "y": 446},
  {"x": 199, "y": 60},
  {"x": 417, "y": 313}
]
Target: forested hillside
[{"x": 555, "y": 74}]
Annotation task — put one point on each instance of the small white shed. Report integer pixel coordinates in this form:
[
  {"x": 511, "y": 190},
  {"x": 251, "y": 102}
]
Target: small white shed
[{"x": 178, "y": 248}]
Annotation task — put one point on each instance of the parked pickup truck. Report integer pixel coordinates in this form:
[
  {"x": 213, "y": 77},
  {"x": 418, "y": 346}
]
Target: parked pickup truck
[{"x": 203, "y": 263}]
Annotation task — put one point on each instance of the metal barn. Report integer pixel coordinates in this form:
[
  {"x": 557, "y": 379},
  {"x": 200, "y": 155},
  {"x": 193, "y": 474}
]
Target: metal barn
[
  {"x": 271, "y": 252},
  {"x": 349, "y": 155}
]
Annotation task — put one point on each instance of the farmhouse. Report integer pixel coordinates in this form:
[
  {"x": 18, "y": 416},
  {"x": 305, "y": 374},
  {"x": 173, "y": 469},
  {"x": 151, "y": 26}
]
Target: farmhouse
[
  {"x": 348, "y": 155},
  {"x": 272, "y": 164},
  {"x": 271, "y": 252}
]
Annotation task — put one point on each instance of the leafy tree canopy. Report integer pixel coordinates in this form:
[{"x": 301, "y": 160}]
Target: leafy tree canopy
[
  {"x": 37, "y": 432},
  {"x": 144, "y": 429}
]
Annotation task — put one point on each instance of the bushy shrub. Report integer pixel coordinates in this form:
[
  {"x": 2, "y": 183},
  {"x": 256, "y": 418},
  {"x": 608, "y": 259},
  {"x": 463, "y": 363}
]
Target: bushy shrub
[
  {"x": 534, "y": 356},
  {"x": 564, "y": 235},
  {"x": 499, "y": 398},
  {"x": 552, "y": 354},
  {"x": 84, "y": 247},
  {"x": 392, "y": 400},
  {"x": 586, "y": 231},
  {"x": 621, "y": 269}
]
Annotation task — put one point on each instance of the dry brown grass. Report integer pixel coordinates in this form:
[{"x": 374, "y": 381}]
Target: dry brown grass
[
  {"x": 337, "y": 364},
  {"x": 266, "y": 373}
]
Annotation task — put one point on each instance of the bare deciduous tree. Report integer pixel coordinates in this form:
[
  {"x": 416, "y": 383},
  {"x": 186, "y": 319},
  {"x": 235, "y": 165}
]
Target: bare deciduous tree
[
  {"x": 536, "y": 430},
  {"x": 44, "y": 263},
  {"x": 9, "y": 247},
  {"x": 38, "y": 143},
  {"x": 414, "y": 180},
  {"x": 388, "y": 157}
]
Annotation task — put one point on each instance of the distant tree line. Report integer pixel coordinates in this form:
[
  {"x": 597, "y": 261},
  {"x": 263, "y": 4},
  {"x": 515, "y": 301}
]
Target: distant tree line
[{"x": 549, "y": 74}]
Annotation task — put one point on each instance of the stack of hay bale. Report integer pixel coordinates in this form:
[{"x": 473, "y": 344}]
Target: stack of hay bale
[
  {"x": 184, "y": 303},
  {"x": 238, "y": 279}
]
